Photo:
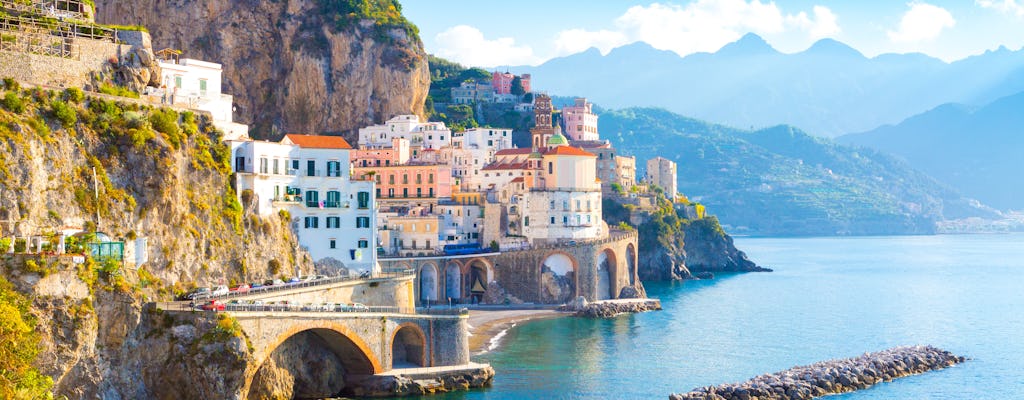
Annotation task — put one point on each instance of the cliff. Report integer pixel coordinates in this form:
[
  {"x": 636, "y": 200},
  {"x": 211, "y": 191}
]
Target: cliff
[
  {"x": 131, "y": 172},
  {"x": 309, "y": 66},
  {"x": 674, "y": 247}
]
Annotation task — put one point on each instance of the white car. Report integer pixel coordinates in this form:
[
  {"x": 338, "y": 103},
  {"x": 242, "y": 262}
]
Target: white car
[{"x": 220, "y": 291}]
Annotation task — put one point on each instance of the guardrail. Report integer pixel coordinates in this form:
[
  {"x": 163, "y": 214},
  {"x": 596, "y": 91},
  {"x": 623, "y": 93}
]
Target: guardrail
[{"x": 304, "y": 284}]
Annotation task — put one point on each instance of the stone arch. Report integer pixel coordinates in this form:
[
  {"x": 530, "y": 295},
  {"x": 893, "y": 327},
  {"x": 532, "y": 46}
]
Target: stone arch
[
  {"x": 477, "y": 274},
  {"x": 408, "y": 346},
  {"x": 346, "y": 354},
  {"x": 607, "y": 275},
  {"x": 631, "y": 264},
  {"x": 559, "y": 278},
  {"x": 428, "y": 283},
  {"x": 453, "y": 281}
]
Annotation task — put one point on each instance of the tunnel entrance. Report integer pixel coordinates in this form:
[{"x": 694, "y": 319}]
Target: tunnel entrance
[
  {"x": 311, "y": 364},
  {"x": 408, "y": 348}
]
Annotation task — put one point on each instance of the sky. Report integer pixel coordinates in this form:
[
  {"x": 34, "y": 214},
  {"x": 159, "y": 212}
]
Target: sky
[{"x": 491, "y": 33}]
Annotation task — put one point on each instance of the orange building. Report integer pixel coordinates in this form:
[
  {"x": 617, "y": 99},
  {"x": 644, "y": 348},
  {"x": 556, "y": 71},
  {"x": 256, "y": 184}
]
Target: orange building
[{"x": 410, "y": 181}]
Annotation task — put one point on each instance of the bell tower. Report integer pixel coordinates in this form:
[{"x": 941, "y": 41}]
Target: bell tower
[{"x": 542, "y": 129}]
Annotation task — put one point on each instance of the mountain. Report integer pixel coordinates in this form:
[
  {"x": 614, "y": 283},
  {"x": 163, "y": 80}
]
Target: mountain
[
  {"x": 828, "y": 90},
  {"x": 976, "y": 150},
  {"x": 312, "y": 66},
  {"x": 782, "y": 181}
]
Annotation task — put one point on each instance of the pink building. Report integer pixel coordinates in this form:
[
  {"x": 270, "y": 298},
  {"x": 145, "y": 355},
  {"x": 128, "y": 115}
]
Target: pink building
[
  {"x": 409, "y": 181},
  {"x": 580, "y": 121},
  {"x": 502, "y": 82},
  {"x": 375, "y": 156}
]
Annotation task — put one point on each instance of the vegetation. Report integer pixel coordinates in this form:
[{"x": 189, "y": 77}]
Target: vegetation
[
  {"x": 19, "y": 346},
  {"x": 385, "y": 14}
]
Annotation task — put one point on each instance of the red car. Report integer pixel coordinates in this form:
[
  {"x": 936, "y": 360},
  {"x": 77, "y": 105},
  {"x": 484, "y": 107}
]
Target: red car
[
  {"x": 240, "y": 288},
  {"x": 213, "y": 305}
]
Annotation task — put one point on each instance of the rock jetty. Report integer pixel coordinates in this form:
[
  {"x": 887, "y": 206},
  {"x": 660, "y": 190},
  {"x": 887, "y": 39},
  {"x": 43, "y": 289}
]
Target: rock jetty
[
  {"x": 610, "y": 308},
  {"x": 831, "y": 377}
]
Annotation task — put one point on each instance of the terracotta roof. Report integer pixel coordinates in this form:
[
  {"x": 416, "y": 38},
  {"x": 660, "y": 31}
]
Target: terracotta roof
[
  {"x": 492, "y": 167},
  {"x": 519, "y": 179},
  {"x": 569, "y": 151},
  {"x": 319, "y": 142},
  {"x": 513, "y": 152}
]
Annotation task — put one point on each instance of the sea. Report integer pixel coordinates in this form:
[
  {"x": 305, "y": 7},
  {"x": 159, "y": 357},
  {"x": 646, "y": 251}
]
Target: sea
[{"x": 828, "y": 298}]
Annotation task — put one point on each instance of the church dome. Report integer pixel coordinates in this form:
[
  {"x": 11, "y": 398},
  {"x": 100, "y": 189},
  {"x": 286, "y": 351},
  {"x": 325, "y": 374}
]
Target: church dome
[{"x": 558, "y": 140}]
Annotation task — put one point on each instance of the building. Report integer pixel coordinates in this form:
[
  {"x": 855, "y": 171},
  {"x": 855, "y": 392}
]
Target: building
[
  {"x": 409, "y": 182},
  {"x": 580, "y": 120},
  {"x": 421, "y": 135},
  {"x": 564, "y": 203},
  {"x": 196, "y": 84},
  {"x": 398, "y": 154},
  {"x": 612, "y": 168},
  {"x": 333, "y": 215},
  {"x": 502, "y": 82},
  {"x": 543, "y": 129},
  {"x": 662, "y": 172},
  {"x": 471, "y": 92},
  {"x": 414, "y": 234}
]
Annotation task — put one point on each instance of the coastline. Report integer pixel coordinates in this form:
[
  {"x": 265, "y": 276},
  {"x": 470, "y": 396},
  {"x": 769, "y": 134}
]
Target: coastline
[{"x": 487, "y": 327}]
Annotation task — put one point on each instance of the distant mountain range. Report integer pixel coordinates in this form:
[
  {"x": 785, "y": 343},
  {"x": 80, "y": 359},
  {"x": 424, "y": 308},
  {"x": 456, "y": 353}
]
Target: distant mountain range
[
  {"x": 979, "y": 151},
  {"x": 782, "y": 181},
  {"x": 828, "y": 90}
]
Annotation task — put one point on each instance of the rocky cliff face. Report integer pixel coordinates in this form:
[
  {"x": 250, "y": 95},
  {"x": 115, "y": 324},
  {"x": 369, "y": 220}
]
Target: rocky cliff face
[
  {"x": 130, "y": 172},
  {"x": 306, "y": 66}
]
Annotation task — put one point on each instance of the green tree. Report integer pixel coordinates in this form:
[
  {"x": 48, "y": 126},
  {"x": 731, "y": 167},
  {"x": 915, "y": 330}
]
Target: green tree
[
  {"x": 19, "y": 346},
  {"x": 517, "y": 86}
]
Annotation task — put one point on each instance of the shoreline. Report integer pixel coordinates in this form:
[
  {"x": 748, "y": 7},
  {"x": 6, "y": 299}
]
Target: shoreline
[{"x": 488, "y": 327}]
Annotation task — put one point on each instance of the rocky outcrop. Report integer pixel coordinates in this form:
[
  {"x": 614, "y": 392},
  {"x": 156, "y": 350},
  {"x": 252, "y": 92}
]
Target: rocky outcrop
[
  {"x": 412, "y": 384},
  {"x": 707, "y": 248},
  {"x": 292, "y": 66},
  {"x": 610, "y": 308},
  {"x": 496, "y": 294},
  {"x": 831, "y": 377}
]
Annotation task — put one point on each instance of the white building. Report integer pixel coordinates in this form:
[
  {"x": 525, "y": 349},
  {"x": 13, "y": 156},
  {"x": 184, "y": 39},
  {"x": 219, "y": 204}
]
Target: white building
[
  {"x": 662, "y": 172},
  {"x": 472, "y": 150},
  {"x": 421, "y": 135},
  {"x": 565, "y": 201},
  {"x": 333, "y": 215},
  {"x": 580, "y": 120},
  {"x": 197, "y": 84}
]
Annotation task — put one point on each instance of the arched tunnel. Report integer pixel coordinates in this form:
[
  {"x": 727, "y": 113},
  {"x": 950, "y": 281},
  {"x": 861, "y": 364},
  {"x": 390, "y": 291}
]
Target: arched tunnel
[{"x": 311, "y": 364}]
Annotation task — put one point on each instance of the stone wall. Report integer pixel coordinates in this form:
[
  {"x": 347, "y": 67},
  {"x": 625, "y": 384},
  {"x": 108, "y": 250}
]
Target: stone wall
[{"x": 397, "y": 292}]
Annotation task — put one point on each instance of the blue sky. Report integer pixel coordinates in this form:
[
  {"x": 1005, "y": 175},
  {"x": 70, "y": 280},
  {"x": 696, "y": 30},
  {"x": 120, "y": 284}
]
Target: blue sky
[{"x": 492, "y": 33}]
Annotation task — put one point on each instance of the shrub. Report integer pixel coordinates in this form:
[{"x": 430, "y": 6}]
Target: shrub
[
  {"x": 274, "y": 266},
  {"x": 11, "y": 84},
  {"x": 64, "y": 113},
  {"x": 12, "y": 102},
  {"x": 74, "y": 95},
  {"x": 20, "y": 341}
]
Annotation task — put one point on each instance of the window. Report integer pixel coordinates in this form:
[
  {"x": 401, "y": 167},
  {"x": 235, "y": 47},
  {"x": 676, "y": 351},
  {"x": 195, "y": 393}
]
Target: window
[
  {"x": 363, "y": 243},
  {"x": 364, "y": 199},
  {"x": 177, "y": 81},
  {"x": 526, "y": 221},
  {"x": 333, "y": 168},
  {"x": 295, "y": 165},
  {"x": 276, "y": 170},
  {"x": 263, "y": 165},
  {"x": 428, "y": 245},
  {"x": 312, "y": 222},
  {"x": 202, "y": 87},
  {"x": 362, "y": 222},
  {"x": 405, "y": 179},
  {"x": 405, "y": 192},
  {"x": 310, "y": 168},
  {"x": 430, "y": 178},
  {"x": 414, "y": 244},
  {"x": 277, "y": 192},
  {"x": 333, "y": 222},
  {"x": 377, "y": 178},
  {"x": 565, "y": 219},
  {"x": 391, "y": 179},
  {"x": 333, "y": 199},
  {"x": 552, "y": 220},
  {"x": 391, "y": 193},
  {"x": 419, "y": 192},
  {"x": 312, "y": 198},
  {"x": 239, "y": 164},
  {"x": 334, "y": 244},
  {"x": 551, "y": 167},
  {"x": 431, "y": 192},
  {"x": 378, "y": 192},
  {"x": 552, "y": 204},
  {"x": 419, "y": 179}
]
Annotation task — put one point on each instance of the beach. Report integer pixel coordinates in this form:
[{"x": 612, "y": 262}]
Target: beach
[{"x": 487, "y": 326}]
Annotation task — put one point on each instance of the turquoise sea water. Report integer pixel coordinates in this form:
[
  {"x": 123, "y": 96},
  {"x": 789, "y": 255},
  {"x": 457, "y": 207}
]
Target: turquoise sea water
[{"x": 828, "y": 298}]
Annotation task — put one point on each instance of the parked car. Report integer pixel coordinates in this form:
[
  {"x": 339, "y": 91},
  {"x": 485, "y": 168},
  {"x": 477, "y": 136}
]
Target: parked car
[
  {"x": 294, "y": 280},
  {"x": 277, "y": 282},
  {"x": 309, "y": 278},
  {"x": 220, "y": 291},
  {"x": 255, "y": 285},
  {"x": 213, "y": 305},
  {"x": 241, "y": 288},
  {"x": 199, "y": 292},
  {"x": 359, "y": 307}
]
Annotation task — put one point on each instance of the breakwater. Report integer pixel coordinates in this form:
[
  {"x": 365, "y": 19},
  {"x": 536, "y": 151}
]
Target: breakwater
[
  {"x": 610, "y": 308},
  {"x": 831, "y": 377}
]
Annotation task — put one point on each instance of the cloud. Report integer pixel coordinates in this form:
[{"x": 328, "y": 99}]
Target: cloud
[
  {"x": 467, "y": 45},
  {"x": 1006, "y": 6},
  {"x": 700, "y": 26},
  {"x": 824, "y": 24},
  {"x": 922, "y": 22}
]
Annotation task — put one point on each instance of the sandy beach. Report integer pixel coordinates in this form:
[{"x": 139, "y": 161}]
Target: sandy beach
[{"x": 485, "y": 325}]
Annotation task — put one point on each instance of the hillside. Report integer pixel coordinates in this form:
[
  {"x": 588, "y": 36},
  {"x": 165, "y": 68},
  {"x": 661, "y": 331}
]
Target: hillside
[
  {"x": 977, "y": 151},
  {"x": 129, "y": 171},
  {"x": 827, "y": 90},
  {"x": 782, "y": 181},
  {"x": 302, "y": 66}
]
